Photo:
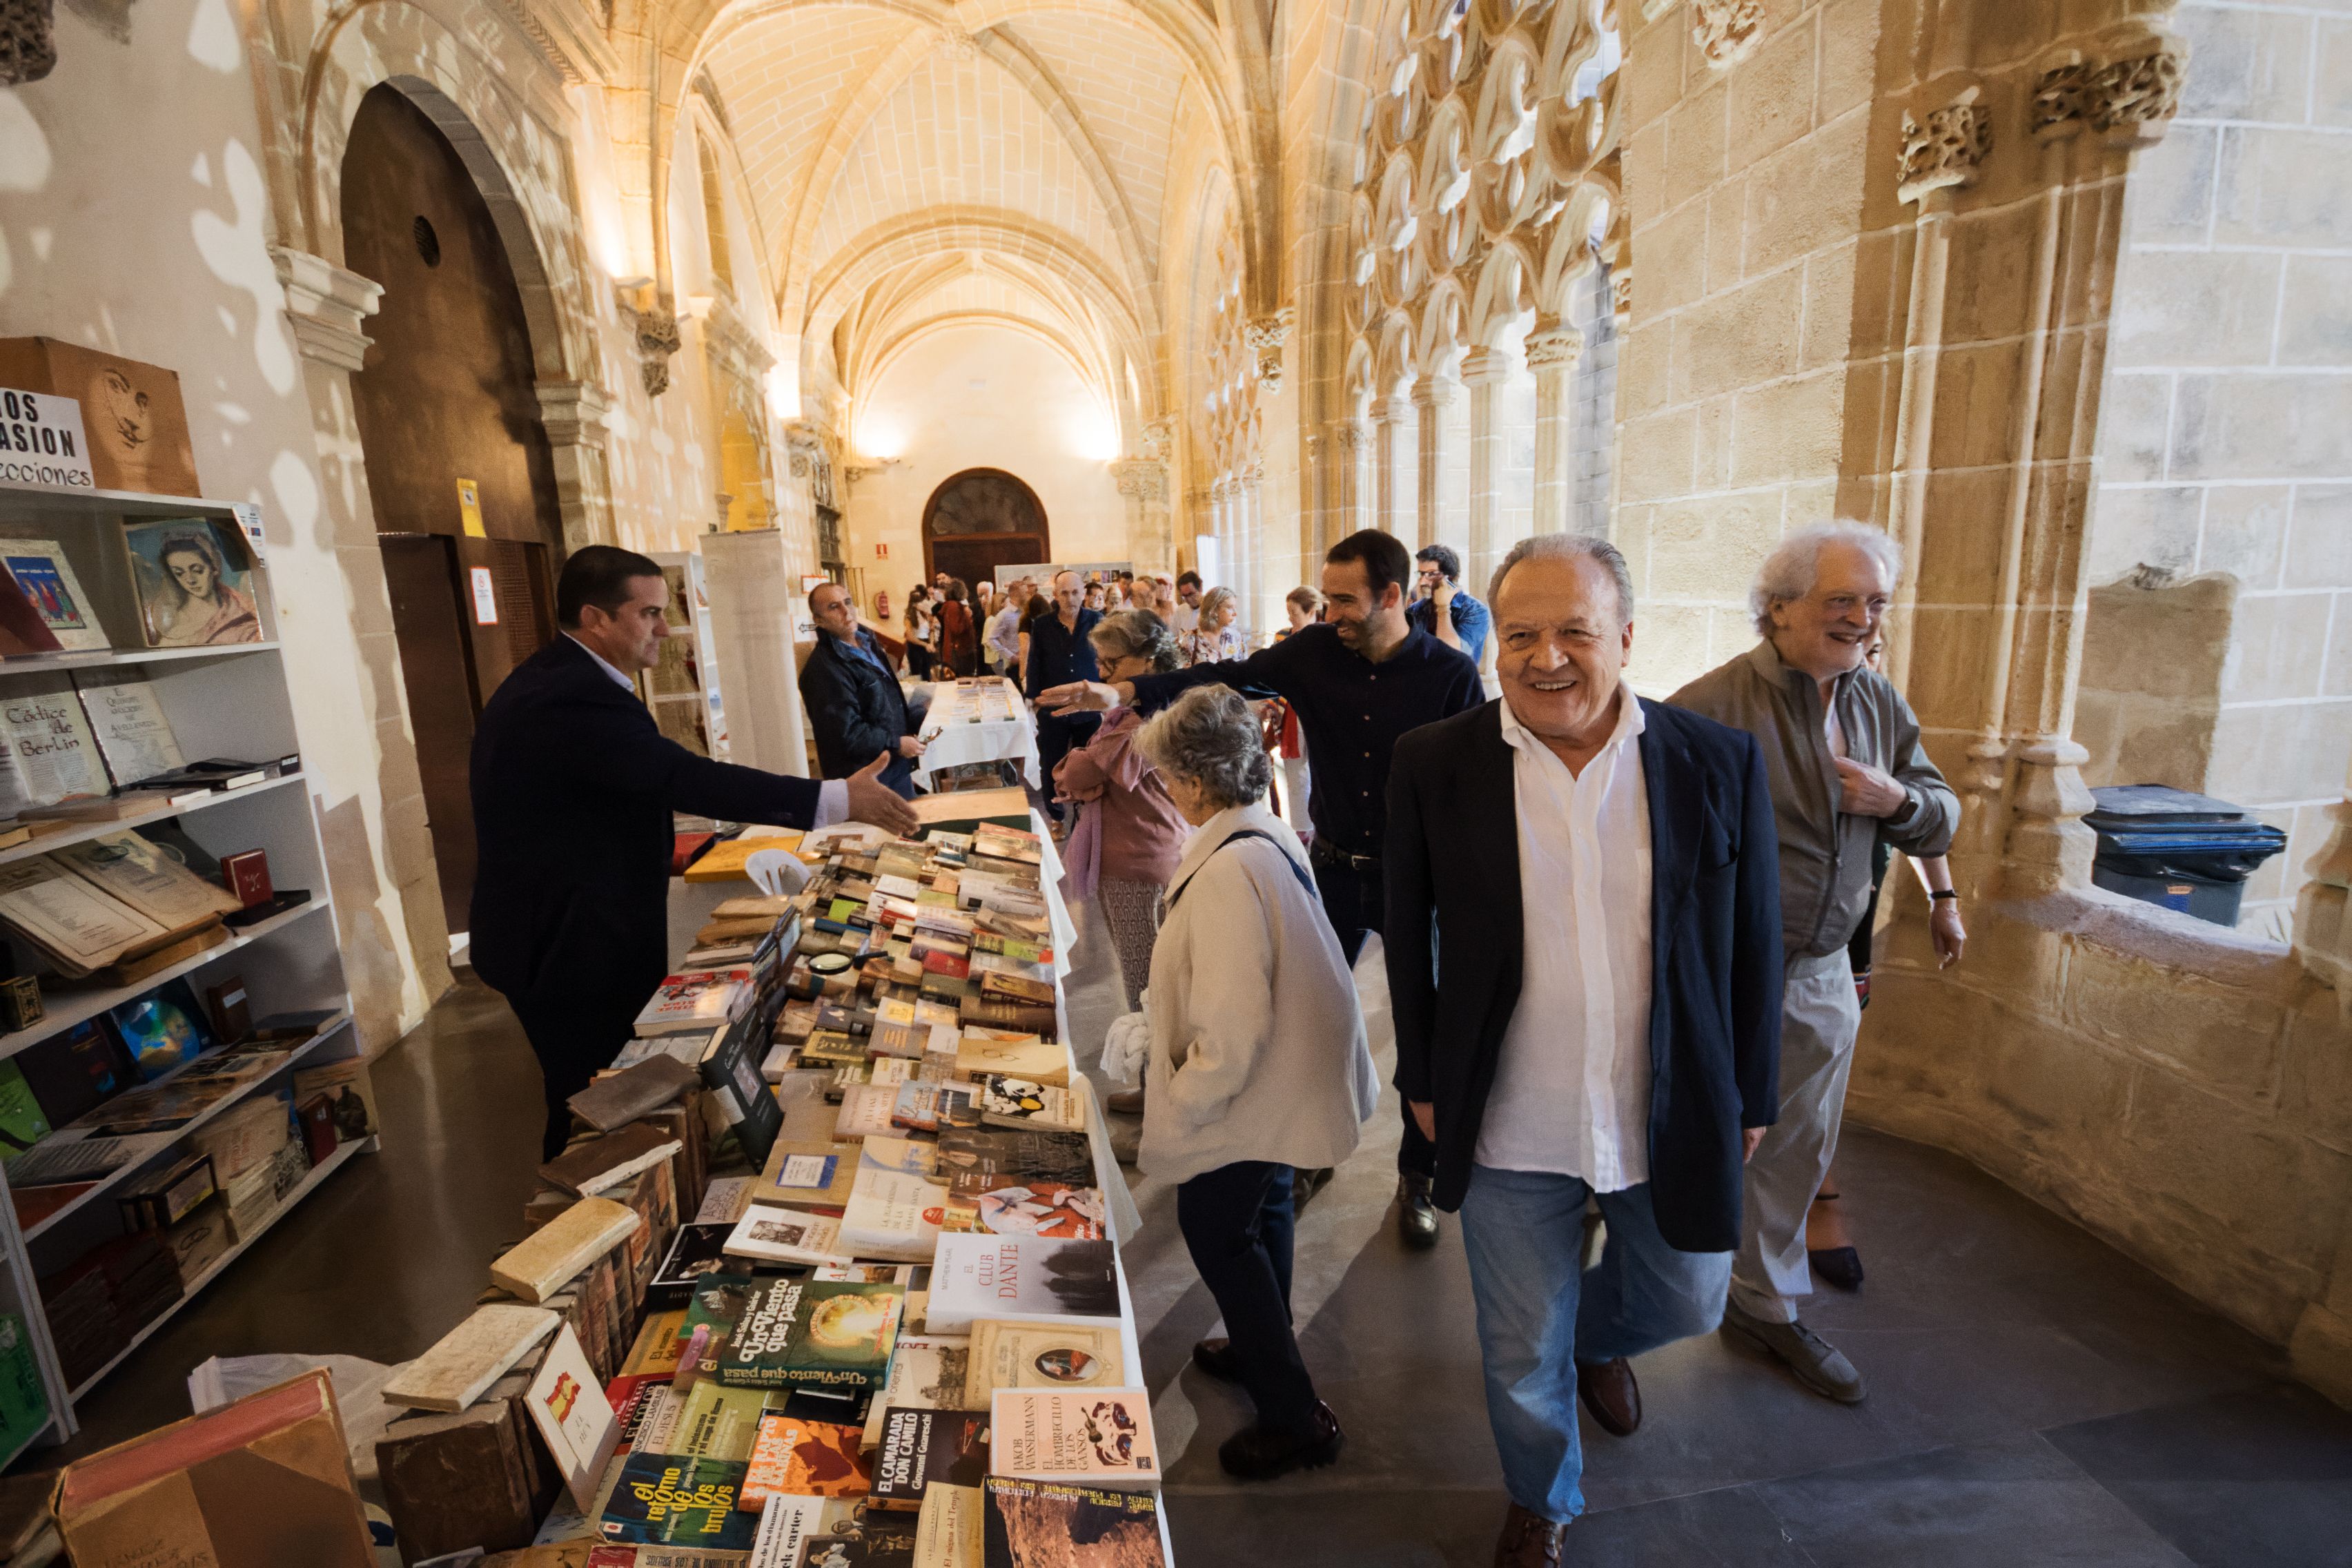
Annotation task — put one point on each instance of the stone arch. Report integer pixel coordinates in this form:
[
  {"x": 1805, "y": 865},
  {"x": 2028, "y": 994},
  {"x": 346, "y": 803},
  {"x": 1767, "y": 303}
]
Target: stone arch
[
  {"x": 980, "y": 497},
  {"x": 526, "y": 185}
]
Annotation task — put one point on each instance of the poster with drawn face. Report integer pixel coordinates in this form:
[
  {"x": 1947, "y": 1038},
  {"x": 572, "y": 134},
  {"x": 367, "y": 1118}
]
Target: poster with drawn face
[{"x": 194, "y": 587}]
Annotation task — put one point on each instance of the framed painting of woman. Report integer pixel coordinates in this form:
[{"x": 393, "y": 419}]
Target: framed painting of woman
[{"x": 194, "y": 584}]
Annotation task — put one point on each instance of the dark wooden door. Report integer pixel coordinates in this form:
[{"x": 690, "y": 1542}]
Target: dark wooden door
[
  {"x": 428, "y": 619},
  {"x": 974, "y": 558}
]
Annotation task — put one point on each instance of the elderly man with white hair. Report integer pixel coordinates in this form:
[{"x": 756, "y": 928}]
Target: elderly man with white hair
[{"x": 1843, "y": 754}]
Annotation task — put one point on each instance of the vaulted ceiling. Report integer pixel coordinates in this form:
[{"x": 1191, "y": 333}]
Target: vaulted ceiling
[{"x": 904, "y": 175}]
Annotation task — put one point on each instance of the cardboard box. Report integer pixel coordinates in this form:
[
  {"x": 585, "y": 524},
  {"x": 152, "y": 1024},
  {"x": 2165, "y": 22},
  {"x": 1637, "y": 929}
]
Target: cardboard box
[
  {"x": 265, "y": 1482},
  {"x": 131, "y": 414}
]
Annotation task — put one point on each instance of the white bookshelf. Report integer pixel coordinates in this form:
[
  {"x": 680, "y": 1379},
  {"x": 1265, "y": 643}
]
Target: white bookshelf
[{"x": 222, "y": 701}]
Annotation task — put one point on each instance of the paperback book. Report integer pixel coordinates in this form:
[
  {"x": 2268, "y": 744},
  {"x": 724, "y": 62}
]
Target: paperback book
[
  {"x": 797, "y": 1458},
  {"x": 1027, "y": 1277},
  {"x": 923, "y": 1447},
  {"x": 1068, "y": 1355},
  {"x": 1096, "y": 1437},
  {"x": 1040, "y": 1524},
  {"x": 662, "y": 1499},
  {"x": 808, "y": 1333}
]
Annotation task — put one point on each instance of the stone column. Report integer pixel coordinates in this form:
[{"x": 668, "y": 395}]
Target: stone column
[
  {"x": 1432, "y": 396},
  {"x": 326, "y": 306},
  {"x": 1348, "y": 490},
  {"x": 573, "y": 414},
  {"x": 1390, "y": 501},
  {"x": 1149, "y": 533},
  {"x": 1552, "y": 353},
  {"x": 1482, "y": 370},
  {"x": 1248, "y": 569}
]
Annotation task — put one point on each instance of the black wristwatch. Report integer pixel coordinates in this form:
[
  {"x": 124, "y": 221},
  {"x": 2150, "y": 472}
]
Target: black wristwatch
[{"x": 1946, "y": 894}]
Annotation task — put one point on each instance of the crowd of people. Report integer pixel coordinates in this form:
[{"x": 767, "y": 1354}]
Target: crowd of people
[{"x": 1626, "y": 942}]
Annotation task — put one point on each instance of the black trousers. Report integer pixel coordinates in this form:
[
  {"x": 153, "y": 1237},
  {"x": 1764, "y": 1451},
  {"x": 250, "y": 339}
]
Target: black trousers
[
  {"x": 578, "y": 1014},
  {"x": 1237, "y": 1223},
  {"x": 1354, "y": 898},
  {"x": 1057, "y": 734}
]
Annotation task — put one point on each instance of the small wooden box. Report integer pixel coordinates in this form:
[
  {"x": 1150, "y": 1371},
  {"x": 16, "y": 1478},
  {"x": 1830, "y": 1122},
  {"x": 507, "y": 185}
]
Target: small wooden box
[{"x": 131, "y": 412}]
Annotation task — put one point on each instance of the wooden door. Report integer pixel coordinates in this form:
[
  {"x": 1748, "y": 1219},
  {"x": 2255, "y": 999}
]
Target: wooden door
[{"x": 437, "y": 670}]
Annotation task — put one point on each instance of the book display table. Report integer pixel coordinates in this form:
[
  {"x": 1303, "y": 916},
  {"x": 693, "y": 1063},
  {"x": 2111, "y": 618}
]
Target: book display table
[
  {"x": 984, "y": 720},
  {"x": 179, "y": 1067}
]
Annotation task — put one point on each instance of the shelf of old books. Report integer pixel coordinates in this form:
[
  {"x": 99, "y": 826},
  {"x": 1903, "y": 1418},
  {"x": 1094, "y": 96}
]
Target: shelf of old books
[{"x": 177, "y": 1064}]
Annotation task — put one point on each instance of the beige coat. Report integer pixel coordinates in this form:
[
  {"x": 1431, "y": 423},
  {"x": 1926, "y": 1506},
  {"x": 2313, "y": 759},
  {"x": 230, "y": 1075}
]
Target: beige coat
[{"x": 1257, "y": 1043}]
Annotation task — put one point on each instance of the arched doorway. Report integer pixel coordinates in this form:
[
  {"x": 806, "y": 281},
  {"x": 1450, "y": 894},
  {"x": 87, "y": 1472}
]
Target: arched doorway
[
  {"x": 980, "y": 519},
  {"x": 459, "y": 465}
]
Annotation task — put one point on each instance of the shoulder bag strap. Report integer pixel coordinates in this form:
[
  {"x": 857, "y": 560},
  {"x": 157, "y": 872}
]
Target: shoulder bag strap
[{"x": 1304, "y": 881}]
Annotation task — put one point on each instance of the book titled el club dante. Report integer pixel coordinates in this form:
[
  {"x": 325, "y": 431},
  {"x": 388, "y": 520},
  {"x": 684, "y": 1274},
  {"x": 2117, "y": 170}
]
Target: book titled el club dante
[{"x": 977, "y": 1275}]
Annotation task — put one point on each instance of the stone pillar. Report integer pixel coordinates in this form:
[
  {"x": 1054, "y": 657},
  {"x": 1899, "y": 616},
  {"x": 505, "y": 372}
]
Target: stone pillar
[
  {"x": 1482, "y": 370},
  {"x": 1248, "y": 569},
  {"x": 1347, "y": 488},
  {"x": 1432, "y": 396},
  {"x": 1389, "y": 500},
  {"x": 1552, "y": 353},
  {"x": 573, "y": 414},
  {"x": 1149, "y": 532},
  {"x": 325, "y": 307}
]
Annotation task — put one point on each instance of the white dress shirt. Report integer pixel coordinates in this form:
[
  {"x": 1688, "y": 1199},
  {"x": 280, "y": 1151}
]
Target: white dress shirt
[
  {"x": 832, "y": 797},
  {"x": 1572, "y": 1093}
]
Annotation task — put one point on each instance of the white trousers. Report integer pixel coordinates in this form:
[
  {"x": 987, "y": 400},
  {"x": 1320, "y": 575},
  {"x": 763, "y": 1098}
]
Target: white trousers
[{"x": 1819, "y": 1018}]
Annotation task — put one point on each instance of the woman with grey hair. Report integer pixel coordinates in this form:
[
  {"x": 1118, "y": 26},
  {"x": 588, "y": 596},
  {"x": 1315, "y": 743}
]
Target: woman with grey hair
[
  {"x": 1257, "y": 1064},
  {"x": 1137, "y": 833}
]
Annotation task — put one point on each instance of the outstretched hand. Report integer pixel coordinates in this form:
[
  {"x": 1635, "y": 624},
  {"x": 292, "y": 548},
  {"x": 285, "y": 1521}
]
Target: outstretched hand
[
  {"x": 871, "y": 800},
  {"x": 1084, "y": 697}
]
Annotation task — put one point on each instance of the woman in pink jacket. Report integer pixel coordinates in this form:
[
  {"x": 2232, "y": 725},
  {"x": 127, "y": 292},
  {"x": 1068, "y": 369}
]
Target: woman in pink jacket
[{"x": 1140, "y": 830}]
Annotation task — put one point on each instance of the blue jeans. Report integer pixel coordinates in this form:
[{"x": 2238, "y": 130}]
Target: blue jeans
[{"x": 1540, "y": 1312}]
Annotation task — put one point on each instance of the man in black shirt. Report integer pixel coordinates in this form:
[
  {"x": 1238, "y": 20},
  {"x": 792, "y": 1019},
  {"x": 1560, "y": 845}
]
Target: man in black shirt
[
  {"x": 1357, "y": 682},
  {"x": 1060, "y": 653}
]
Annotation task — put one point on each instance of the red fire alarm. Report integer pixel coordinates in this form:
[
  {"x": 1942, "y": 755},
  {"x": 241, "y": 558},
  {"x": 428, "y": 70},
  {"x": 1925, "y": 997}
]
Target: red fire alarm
[{"x": 881, "y": 552}]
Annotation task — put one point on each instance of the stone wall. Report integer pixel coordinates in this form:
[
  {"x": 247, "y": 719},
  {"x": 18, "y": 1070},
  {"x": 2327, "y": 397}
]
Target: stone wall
[{"x": 2229, "y": 391}]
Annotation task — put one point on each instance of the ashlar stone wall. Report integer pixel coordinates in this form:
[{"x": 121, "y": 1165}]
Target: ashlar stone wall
[{"x": 2227, "y": 473}]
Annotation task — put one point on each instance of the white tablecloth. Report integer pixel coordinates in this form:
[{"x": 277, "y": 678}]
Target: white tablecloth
[{"x": 957, "y": 730}]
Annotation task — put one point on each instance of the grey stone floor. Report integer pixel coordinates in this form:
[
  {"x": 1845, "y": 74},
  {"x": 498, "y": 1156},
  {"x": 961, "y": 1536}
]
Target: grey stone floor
[{"x": 2036, "y": 1398}]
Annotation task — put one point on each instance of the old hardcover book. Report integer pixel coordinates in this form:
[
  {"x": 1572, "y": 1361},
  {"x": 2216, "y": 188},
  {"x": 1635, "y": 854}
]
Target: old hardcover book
[
  {"x": 146, "y": 879},
  {"x": 594, "y": 1164},
  {"x": 663, "y": 1499},
  {"x": 1094, "y": 1436},
  {"x": 1071, "y": 1353},
  {"x": 1040, "y": 1524},
  {"x": 133, "y": 732},
  {"x": 703, "y": 1000},
  {"x": 1026, "y": 1277},
  {"x": 805, "y": 1333},
  {"x": 52, "y": 755},
  {"x": 952, "y": 1530},
  {"x": 866, "y": 1110},
  {"x": 928, "y": 1372},
  {"x": 794, "y": 1456},
  {"x": 254, "y": 1484},
  {"x": 921, "y": 1447},
  {"x": 457, "y": 1479},
  {"x": 552, "y": 1255},
  {"x": 874, "y": 1541},
  {"x": 616, "y": 1101},
  {"x": 470, "y": 1358},
  {"x": 79, "y": 926}
]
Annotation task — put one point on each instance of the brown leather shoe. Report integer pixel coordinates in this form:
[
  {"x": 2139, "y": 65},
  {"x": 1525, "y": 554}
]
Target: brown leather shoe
[
  {"x": 1124, "y": 1102},
  {"x": 1530, "y": 1540},
  {"x": 1609, "y": 1392}
]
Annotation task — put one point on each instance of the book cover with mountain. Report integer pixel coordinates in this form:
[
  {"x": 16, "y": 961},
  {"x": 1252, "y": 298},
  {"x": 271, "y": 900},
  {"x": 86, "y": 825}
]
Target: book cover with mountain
[
  {"x": 826, "y": 1334},
  {"x": 1044, "y": 1524}
]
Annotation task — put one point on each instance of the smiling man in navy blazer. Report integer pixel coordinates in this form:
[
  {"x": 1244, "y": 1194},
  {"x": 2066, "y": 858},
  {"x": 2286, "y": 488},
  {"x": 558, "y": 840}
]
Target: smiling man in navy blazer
[
  {"x": 1584, "y": 962},
  {"x": 574, "y": 788}
]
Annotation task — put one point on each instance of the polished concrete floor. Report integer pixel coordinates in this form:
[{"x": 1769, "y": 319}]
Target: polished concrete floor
[{"x": 2035, "y": 1398}]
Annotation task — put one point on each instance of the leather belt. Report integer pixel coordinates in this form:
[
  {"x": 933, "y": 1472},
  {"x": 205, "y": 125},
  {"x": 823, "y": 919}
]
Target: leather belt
[{"x": 1323, "y": 854}]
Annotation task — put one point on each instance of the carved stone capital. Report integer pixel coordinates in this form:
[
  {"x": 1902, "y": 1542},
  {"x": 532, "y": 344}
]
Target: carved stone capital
[
  {"x": 1557, "y": 348},
  {"x": 1726, "y": 31},
  {"x": 1946, "y": 151},
  {"x": 1432, "y": 392},
  {"x": 2127, "y": 88},
  {"x": 805, "y": 443},
  {"x": 573, "y": 412},
  {"x": 1621, "y": 293},
  {"x": 325, "y": 305},
  {"x": 1160, "y": 440},
  {"x": 1264, "y": 337},
  {"x": 1484, "y": 367},
  {"x": 656, "y": 329},
  {"x": 1141, "y": 478},
  {"x": 1354, "y": 435}
]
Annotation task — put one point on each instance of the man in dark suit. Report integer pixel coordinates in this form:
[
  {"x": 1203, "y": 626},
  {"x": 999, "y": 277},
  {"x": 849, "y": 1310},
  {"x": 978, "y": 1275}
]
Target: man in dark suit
[
  {"x": 574, "y": 789},
  {"x": 853, "y": 699},
  {"x": 1583, "y": 949}
]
